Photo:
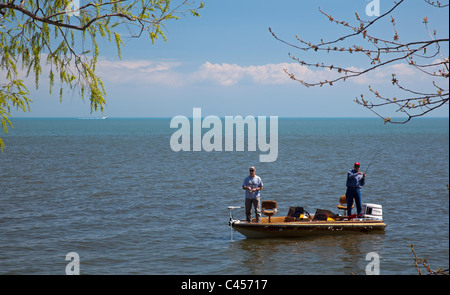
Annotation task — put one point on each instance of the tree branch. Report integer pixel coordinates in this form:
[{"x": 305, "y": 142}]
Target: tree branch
[
  {"x": 391, "y": 53},
  {"x": 59, "y": 23}
]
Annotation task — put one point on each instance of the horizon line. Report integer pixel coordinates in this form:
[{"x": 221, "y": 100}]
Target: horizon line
[{"x": 167, "y": 117}]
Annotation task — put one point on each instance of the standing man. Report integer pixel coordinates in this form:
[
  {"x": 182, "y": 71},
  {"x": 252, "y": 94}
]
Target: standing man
[
  {"x": 252, "y": 185},
  {"x": 355, "y": 180}
]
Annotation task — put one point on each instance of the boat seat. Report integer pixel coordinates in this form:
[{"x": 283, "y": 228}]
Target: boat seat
[
  {"x": 269, "y": 208},
  {"x": 343, "y": 204}
]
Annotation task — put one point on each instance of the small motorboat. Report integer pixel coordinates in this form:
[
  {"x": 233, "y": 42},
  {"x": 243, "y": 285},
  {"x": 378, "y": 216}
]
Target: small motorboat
[{"x": 299, "y": 223}]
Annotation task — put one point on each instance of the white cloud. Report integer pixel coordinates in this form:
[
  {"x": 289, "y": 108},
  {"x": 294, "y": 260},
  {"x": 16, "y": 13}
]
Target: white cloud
[
  {"x": 141, "y": 66},
  {"x": 139, "y": 71},
  {"x": 268, "y": 74},
  {"x": 168, "y": 73},
  {"x": 223, "y": 74}
]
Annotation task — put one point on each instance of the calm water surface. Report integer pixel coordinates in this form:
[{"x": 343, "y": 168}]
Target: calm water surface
[{"x": 114, "y": 192}]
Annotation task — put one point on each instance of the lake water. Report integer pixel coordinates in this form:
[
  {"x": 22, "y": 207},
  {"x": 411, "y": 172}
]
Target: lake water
[{"x": 114, "y": 192}]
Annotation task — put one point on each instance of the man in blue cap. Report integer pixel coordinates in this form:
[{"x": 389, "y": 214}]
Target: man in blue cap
[{"x": 355, "y": 180}]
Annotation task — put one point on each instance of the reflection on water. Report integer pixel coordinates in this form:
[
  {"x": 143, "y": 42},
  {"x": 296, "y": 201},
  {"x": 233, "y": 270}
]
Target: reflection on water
[{"x": 343, "y": 254}]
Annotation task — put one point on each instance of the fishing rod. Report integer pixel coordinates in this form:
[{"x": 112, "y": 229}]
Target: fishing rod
[{"x": 371, "y": 162}]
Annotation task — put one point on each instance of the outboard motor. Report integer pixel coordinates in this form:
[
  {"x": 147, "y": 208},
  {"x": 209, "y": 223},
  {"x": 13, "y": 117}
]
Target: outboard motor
[{"x": 372, "y": 211}]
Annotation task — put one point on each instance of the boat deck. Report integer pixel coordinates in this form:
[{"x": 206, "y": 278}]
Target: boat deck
[{"x": 285, "y": 226}]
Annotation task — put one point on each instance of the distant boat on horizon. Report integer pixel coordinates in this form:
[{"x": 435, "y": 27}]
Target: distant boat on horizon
[{"x": 94, "y": 118}]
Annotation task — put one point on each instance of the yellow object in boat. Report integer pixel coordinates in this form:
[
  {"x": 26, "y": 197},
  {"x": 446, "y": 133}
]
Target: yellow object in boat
[{"x": 330, "y": 219}]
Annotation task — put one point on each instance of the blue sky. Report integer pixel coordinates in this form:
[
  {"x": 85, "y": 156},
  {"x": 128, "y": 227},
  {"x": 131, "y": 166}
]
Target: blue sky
[{"x": 227, "y": 63}]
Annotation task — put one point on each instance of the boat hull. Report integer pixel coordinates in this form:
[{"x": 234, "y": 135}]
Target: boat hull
[{"x": 306, "y": 228}]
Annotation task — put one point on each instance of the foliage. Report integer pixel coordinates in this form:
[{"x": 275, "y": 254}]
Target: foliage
[
  {"x": 66, "y": 34},
  {"x": 382, "y": 52},
  {"x": 422, "y": 263}
]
